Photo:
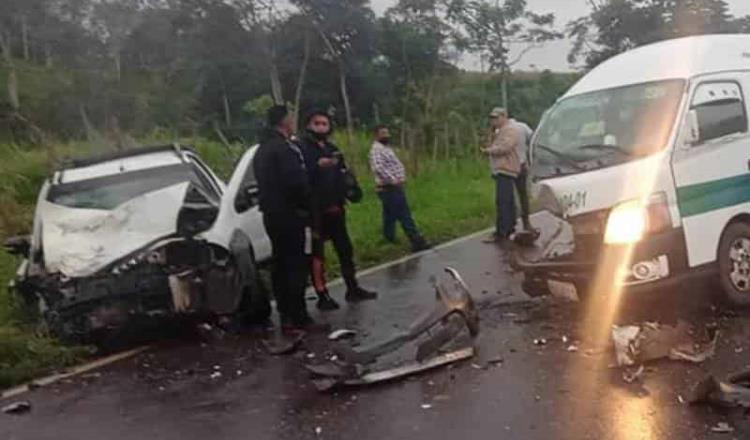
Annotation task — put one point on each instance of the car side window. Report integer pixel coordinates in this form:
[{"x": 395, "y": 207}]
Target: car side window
[
  {"x": 205, "y": 173},
  {"x": 720, "y": 110},
  {"x": 248, "y": 186}
]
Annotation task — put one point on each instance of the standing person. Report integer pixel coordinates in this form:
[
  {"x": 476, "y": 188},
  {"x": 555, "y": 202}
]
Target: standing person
[
  {"x": 327, "y": 172},
  {"x": 506, "y": 166},
  {"x": 390, "y": 176},
  {"x": 525, "y": 134},
  {"x": 284, "y": 195}
]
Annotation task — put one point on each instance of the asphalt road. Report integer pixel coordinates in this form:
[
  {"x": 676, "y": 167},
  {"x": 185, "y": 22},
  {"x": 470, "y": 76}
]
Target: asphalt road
[{"x": 513, "y": 389}]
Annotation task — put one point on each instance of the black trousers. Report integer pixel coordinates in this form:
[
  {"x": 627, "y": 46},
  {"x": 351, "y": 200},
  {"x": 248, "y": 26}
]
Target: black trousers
[
  {"x": 290, "y": 264},
  {"x": 523, "y": 194},
  {"x": 332, "y": 226}
]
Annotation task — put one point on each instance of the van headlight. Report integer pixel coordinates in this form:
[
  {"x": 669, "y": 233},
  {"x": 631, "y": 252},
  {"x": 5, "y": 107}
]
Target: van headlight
[{"x": 630, "y": 221}]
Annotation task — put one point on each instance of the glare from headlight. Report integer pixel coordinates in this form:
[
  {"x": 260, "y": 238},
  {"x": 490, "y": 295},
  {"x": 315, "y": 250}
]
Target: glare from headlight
[{"x": 627, "y": 223}]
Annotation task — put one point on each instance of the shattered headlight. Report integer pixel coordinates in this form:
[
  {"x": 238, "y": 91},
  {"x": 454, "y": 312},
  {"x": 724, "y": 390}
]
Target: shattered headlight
[{"x": 630, "y": 221}]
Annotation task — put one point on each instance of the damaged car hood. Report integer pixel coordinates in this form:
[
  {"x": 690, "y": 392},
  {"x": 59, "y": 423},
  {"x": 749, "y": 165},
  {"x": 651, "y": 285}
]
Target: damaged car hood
[
  {"x": 603, "y": 188},
  {"x": 80, "y": 242}
]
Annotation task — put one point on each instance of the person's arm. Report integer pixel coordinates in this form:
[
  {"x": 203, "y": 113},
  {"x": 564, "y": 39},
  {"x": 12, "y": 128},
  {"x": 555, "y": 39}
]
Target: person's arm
[{"x": 504, "y": 143}]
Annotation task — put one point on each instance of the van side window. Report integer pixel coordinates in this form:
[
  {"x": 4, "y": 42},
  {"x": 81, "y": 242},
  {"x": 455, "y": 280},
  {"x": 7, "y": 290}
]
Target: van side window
[{"x": 720, "y": 109}]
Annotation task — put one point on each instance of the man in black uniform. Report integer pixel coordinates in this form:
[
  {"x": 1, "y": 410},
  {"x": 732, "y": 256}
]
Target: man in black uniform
[
  {"x": 326, "y": 170},
  {"x": 284, "y": 199}
]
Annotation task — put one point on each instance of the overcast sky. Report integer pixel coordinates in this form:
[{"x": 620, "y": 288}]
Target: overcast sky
[{"x": 554, "y": 55}]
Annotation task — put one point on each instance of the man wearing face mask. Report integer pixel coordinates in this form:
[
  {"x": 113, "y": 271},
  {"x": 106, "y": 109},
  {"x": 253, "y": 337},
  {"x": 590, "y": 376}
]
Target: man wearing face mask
[
  {"x": 390, "y": 176},
  {"x": 327, "y": 171}
]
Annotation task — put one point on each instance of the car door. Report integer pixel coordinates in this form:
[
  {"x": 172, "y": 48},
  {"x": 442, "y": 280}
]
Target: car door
[
  {"x": 711, "y": 172},
  {"x": 242, "y": 198}
]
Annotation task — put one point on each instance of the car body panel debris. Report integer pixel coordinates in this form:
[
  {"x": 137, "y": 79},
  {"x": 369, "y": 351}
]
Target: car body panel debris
[
  {"x": 733, "y": 392},
  {"x": 20, "y": 407},
  {"x": 140, "y": 234},
  {"x": 454, "y": 316},
  {"x": 651, "y": 341}
]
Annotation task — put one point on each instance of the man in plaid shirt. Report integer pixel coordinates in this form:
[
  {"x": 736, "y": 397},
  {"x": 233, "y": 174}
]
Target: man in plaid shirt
[{"x": 390, "y": 177}]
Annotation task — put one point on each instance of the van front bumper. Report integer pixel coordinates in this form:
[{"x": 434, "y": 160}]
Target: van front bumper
[{"x": 659, "y": 261}]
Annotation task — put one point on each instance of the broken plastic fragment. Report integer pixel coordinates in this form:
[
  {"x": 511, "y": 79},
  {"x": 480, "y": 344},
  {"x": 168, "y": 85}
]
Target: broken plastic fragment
[
  {"x": 20, "y": 407},
  {"x": 722, "y": 428},
  {"x": 341, "y": 334}
]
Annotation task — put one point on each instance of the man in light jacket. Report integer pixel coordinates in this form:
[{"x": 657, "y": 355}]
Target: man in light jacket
[{"x": 506, "y": 166}]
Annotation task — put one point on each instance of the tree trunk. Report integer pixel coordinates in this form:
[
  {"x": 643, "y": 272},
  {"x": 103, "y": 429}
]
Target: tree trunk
[
  {"x": 118, "y": 67},
  {"x": 13, "y": 89},
  {"x": 505, "y": 88},
  {"x": 12, "y": 81},
  {"x": 47, "y": 55},
  {"x": 227, "y": 111},
  {"x": 301, "y": 80},
  {"x": 345, "y": 97},
  {"x": 273, "y": 72},
  {"x": 25, "y": 37}
]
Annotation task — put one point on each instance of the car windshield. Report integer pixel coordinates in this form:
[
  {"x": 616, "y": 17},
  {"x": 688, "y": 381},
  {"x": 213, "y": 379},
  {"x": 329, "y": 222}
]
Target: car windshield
[
  {"x": 108, "y": 192},
  {"x": 606, "y": 127}
]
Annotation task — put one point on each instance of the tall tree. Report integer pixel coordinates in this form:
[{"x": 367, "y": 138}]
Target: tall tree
[
  {"x": 346, "y": 28},
  {"x": 615, "y": 26},
  {"x": 489, "y": 28}
]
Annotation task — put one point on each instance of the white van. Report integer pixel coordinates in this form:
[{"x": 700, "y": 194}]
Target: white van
[{"x": 650, "y": 151}]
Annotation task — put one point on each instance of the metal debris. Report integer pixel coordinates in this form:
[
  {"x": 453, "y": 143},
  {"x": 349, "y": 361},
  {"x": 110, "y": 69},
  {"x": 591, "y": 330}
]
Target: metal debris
[
  {"x": 650, "y": 341},
  {"x": 732, "y": 393},
  {"x": 341, "y": 334},
  {"x": 20, "y": 407},
  {"x": 722, "y": 428},
  {"x": 540, "y": 341},
  {"x": 630, "y": 377}
]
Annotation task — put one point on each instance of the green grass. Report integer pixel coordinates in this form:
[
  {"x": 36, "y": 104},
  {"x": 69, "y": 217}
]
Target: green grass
[{"x": 449, "y": 198}]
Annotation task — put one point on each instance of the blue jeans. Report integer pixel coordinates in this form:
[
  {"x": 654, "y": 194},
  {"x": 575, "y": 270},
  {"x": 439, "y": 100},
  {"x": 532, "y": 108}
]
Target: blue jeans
[
  {"x": 505, "y": 204},
  {"x": 396, "y": 209}
]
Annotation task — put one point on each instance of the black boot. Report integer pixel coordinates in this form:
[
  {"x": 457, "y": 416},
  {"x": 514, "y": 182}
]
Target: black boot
[
  {"x": 326, "y": 303},
  {"x": 418, "y": 244},
  {"x": 357, "y": 294}
]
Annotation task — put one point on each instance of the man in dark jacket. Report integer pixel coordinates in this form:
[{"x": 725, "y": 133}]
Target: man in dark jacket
[
  {"x": 327, "y": 170},
  {"x": 284, "y": 198}
]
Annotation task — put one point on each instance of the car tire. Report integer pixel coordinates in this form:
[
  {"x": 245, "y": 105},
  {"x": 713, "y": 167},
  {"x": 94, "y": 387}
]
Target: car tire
[
  {"x": 734, "y": 263},
  {"x": 255, "y": 306}
]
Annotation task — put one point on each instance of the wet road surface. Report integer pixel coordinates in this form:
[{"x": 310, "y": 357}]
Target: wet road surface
[{"x": 229, "y": 388}]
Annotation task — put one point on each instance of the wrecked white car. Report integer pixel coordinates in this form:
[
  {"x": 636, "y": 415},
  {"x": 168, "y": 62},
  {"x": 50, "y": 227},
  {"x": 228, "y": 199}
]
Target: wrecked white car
[{"x": 142, "y": 233}]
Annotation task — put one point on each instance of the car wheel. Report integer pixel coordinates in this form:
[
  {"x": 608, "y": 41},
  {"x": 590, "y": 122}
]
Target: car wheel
[
  {"x": 255, "y": 307},
  {"x": 734, "y": 263}
]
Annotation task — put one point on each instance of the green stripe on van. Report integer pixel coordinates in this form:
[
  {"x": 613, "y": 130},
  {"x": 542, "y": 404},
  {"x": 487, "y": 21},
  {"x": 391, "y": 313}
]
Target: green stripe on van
[{"x": 710, "y": 196}]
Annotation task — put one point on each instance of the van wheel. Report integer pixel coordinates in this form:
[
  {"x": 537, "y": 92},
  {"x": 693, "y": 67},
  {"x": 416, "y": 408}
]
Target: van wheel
[{"x": 734, "y": 263}]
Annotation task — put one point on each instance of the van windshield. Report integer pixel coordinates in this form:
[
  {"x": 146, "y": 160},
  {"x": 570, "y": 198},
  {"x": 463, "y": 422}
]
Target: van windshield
[{"x": 605, "y": 128}]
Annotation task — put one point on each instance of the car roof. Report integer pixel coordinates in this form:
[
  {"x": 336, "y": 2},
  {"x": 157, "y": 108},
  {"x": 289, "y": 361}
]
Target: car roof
[
  {"x": 121, "y": 162},
  {"x": 680, "y": 58}
]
